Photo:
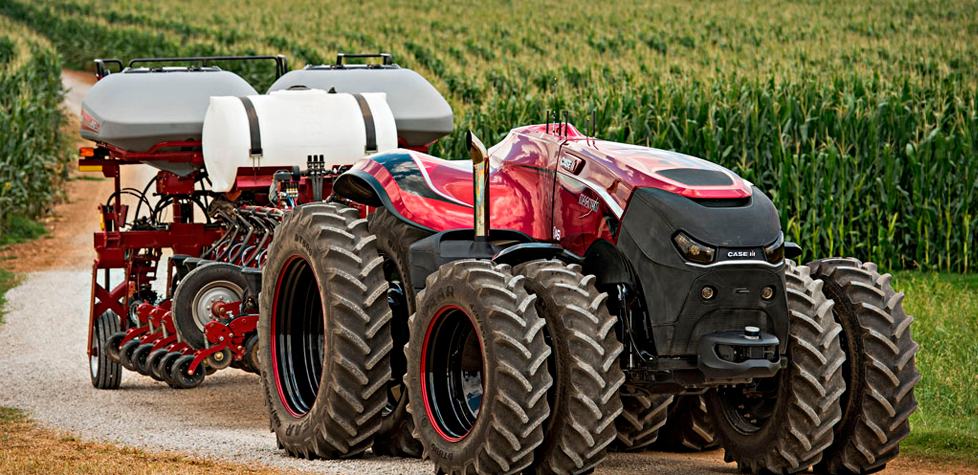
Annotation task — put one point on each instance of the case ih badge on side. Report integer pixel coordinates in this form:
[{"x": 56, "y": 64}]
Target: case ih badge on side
[{"x": 553, "y": 297}]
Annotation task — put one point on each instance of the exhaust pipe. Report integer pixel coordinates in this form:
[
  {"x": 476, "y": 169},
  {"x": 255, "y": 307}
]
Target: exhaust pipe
[{"x": 480, "y": 189}]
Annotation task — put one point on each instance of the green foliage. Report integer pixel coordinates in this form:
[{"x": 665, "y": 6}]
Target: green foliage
[
  {"x": 33, "y": 154},
  {"x": 858, "y": 118},
  {"x": 945, "y": 308},
  {"x": 21, "y": 229}
]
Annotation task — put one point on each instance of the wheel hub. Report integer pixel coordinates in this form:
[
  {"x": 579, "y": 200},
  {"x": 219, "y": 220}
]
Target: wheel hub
[
  {"x": 211, "y": 299},
  {"x": 453, "y": 374}
]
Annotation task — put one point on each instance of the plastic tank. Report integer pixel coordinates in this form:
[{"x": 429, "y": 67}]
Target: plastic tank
[
  {"x": 421, "y": 113},
  {"x": 292, "y": 125},
  {"x": 139, "y": 108}
]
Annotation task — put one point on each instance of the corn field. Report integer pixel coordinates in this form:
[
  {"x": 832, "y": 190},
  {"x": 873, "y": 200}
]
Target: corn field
[
  {"x": 858, "y": 118},
  {"x": 32, "y": 149}
]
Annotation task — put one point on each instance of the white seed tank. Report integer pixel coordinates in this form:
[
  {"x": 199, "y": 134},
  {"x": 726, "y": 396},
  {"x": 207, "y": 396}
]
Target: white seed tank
[{"x": 291, "y": 125}]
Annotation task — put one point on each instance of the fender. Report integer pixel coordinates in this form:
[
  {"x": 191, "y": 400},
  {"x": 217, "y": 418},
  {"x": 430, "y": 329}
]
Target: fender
[{"x": 421, "y": 190}]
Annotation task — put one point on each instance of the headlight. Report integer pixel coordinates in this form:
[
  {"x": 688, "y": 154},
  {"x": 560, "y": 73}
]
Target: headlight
[
  {"x": 694, "y": 251},
  {"x": 775, "y": 252}
]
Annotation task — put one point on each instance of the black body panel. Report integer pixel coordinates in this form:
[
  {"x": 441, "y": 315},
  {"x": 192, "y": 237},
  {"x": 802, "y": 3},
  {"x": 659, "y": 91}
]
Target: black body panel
[
  {"x": 671, "y": 287},
  {"x": 430, "y": 253}
]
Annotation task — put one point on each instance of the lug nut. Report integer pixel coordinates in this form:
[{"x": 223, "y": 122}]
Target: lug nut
[
  {"x": 707, "y": 293},
  {"x": 767, "y": 293}
]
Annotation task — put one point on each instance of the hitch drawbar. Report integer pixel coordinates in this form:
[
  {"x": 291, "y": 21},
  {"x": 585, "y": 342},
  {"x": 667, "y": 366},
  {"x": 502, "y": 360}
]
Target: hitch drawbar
[{"x": 733, "y": 354}]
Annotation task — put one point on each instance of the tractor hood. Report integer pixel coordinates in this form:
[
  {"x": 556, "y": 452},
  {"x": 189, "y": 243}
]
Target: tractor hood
[{"x": 622, "y": 169}]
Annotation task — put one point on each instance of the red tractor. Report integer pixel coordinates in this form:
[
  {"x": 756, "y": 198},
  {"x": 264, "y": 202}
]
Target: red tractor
[{"x": 524, "y": 311}]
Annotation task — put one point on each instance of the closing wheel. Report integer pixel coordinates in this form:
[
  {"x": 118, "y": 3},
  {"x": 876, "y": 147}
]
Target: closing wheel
[
  {"x": 199, "y": 297},
  {"x": 165, "y": 367},
  {"x": 394, "y": 239},
  {"x": 153, "y": 363},
  {"x": 140, "y": 358},
  {"x": 324, "y": 333},
  {"x": 125, "y": 354},
  {"x": 584, "y": 400},
  {"x": 105, "y": 372},
  {"x": 250, "y": 362},
  {"x": 880, "y": 371},
  {"x": 477, "y": 373},
  {"x": 112, "y": 343},
  {"x": 689, "y": 427},
  {"x": 181, "y": 376},
  {"x": 784, "y": 423}
]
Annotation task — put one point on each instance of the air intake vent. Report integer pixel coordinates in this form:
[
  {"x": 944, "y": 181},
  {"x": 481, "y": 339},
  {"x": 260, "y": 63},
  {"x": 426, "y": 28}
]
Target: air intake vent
[
  {"x": 723, "y": 202},
  {"x": 697, "y": 177}
]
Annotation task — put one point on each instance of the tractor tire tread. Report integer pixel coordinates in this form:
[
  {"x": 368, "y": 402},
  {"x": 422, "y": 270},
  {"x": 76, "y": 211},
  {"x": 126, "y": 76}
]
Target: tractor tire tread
[{"x": 883, "y": 376}]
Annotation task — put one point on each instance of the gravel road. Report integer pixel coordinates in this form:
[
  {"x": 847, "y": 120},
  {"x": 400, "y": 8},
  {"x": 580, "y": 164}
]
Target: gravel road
[{"x": 43, "y": 369}]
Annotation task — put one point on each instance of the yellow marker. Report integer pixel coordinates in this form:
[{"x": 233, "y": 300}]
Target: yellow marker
[{"x": 90, "y": 168}]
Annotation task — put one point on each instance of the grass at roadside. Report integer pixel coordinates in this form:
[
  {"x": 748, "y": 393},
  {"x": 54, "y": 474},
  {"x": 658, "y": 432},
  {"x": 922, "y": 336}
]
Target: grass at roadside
[
  {"x": 29, "y": 450},
  {"x": 8, "y": 280},
  {"x": 945, "y": 308},
  {"x": 20, "y": 229}
]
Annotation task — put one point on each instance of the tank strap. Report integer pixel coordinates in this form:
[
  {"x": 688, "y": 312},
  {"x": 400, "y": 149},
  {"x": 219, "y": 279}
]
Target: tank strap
[
  {"x": 255, "y": 151},
  {"x": 368, "y": 123}
]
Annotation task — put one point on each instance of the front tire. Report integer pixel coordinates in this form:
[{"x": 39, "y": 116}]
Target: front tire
[
  {"x": 477, "y": 371},
  {"x": 689, "y": 427},
  {"x": 394, "y": 239},
  {"x": 642, "y": 417},
  {"x": 880, "y": 371},
  {"x": 325, "y": 333},
  {"x": 584, "y": 400},
  {"x": 783, "y": 424}
]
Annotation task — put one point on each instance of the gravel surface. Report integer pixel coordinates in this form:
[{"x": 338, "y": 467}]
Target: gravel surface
[{"x": 44, "y": 370}]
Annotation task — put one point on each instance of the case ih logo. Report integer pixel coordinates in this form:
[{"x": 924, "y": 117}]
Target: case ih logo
[
  {"x": 740, "y": 254},
  {"x": 88, "y": 123},
  {"x": 588, "y": 202}
]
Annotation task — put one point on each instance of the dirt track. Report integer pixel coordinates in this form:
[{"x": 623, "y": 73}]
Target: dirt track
[{"x": 43, "y": 369}]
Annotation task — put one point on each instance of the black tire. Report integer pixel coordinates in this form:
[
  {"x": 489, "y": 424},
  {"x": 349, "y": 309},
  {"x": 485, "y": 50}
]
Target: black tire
[
  {"x": 394, "y": 239},
  {"x": 510, "y": 384},
  {"x": 165, "y": 367},
  {"x": 112, "y": 344},
  {"x": 140, "y": 358},
  {"x": 880, "y": 371},
  {"x": 153, "y": 363},
  {"x": 325, "y": 333},
  {"x": 642, "y": 417},
  {"x": 125, "y": 353},
  {"x": 191, "y": 309},
  {"x": 802, "y": 401},
  {"x": 180, "y": 373},
  {"x": 584, "y": 400},
  {"x": 105, "y": 373},
  {"x": 688, "y": 428},
  {"x": 250, "y": 362}
]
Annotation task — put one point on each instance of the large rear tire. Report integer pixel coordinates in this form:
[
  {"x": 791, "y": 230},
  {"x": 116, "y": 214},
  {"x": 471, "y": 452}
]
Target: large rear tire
[
  {"x": 105, "y": 373},
  {"x": 394, "y": 239},
  {"x": 784, "y": 423},
  {"x": 880, "y": 371},
  {"x": 584, "y": 400},
  {"x": 689, "y": 427},
  {"x": 325, "y": 333},
  {"x": 477, "y": 370},
  {"x": 198, "y": 291},
  {"x": 642, "y": 417}
]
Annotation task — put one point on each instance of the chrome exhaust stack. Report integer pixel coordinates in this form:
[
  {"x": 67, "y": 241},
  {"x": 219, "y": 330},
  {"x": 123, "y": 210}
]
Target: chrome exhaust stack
[{"x": 480, "y": 188}]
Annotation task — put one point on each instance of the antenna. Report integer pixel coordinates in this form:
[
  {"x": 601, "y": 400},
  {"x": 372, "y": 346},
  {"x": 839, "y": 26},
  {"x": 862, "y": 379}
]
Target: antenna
[{"x": 548, "y": 121}]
